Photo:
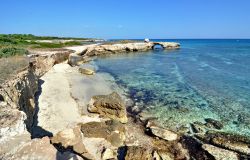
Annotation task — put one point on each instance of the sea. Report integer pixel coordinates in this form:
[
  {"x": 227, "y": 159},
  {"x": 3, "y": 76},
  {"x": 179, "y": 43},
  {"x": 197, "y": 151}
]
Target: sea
[{"x": 205, "y": 78}]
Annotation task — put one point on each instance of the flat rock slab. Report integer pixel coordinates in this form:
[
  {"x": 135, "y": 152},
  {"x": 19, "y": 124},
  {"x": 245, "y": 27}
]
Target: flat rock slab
[
  {"x": 112, "y": 131},
  {"x": 40, "y": 149},
  {"x": 57, "y": 109},
  {"x": 219, "y": 153},
  {"x": 161, "y": 132}
]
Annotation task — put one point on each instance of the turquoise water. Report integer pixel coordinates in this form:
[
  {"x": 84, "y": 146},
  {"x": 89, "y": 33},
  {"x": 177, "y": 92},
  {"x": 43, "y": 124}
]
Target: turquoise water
[{"x": 203, "y": 79}]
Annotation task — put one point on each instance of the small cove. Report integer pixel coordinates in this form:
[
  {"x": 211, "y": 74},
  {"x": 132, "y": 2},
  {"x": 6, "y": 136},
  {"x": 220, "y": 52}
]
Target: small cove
[{"x": 203, "y": 79}]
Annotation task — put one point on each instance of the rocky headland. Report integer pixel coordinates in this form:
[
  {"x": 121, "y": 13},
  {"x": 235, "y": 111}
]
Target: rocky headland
[{"x": 61, "y": 107}]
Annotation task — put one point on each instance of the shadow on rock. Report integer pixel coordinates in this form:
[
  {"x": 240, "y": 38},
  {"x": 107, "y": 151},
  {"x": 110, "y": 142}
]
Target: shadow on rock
[
  {"x": 66, "y": 156},
  {"x": 37, "y": 131}
]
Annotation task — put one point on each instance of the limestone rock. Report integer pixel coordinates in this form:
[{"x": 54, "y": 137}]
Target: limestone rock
[
  {"x": 232, "y": 142},
  {"x": 112, "y": 131},
  {"x": 18, "y": 94},
  {"x": 161, "y": 132},
  {"x": 126, "y": 47},
  {"x": 109, "y": 154},
  {"x": 40, "y": 149},
  {"x": 219, "y": 153},
  {"x": 74, "y": 59},
  {"x": 86, "y": 71},
  {"x": 12, "y": 123},
  {"x": 71, "y": 139},
  {"x": 45, "y": 60},
  {"x": 110, "y": 106},
  {"x": 138, "y": 153},
  {"x": 168, "y": 45},
  {"x": 162, "y": 156}
]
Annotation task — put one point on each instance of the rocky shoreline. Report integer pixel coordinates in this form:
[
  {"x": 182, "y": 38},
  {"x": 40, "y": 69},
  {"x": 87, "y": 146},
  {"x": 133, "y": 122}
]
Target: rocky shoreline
[{"x": 104, "y": 128}]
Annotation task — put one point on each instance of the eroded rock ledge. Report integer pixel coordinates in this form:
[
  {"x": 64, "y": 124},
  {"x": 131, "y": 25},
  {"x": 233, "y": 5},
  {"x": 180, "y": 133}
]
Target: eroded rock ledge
[{"x": 105, "y": 49}]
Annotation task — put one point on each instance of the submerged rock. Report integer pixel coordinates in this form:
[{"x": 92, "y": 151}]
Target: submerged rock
[
  {"x": 232, "y": 142},
  {"x": 212, "y": 123},
  {"x": 198, "y": 127},
  {"x": 219, "y": 153},
  {"x": 161, "y": 132},
  {"x": 110, "y": 106},
  {"x": 86, "y": 71}
]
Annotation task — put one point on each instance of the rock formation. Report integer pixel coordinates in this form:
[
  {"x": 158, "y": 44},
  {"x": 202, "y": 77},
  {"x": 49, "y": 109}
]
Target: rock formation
[
  {"x": 161, "y": 132},
  {"x": 219, "y": 153},
  {"x": 110, "y": 106},
  {"x": 127, "y": 47},
  {"x": 86, "y": 71}
]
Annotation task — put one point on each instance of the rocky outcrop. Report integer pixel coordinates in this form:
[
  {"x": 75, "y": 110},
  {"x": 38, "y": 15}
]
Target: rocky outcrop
[
  {"x": 92, "y": 140},
  {"x": 237, "y": 143},
  {"x": 219, "y": 153},
  {"x": 164, "y": 151},
  {"x": 112, "y": 131},
  {"x": 167, "y": 45},
  {"x": 45, "y": 60},
  {"x": 138, "y": 153},
  {"x": 39, "y": 149},
  {"x": 18, "y": 95},
  {"x": 126, "y": 47},
  {"x": 71, "y": 139},
  {"x": 110, "y": 106}
]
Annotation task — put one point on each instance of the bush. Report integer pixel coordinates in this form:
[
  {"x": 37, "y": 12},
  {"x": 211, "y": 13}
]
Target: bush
[{"x": 12, "y": 51}]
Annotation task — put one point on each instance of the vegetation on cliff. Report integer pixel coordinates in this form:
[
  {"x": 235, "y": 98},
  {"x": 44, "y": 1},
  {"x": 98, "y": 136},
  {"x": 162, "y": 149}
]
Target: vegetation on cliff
[{"x": 17, "y": 44}]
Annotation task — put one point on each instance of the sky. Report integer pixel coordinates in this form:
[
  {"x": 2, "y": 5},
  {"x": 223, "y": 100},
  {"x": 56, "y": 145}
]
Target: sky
[{"x": 127, "y": 19}]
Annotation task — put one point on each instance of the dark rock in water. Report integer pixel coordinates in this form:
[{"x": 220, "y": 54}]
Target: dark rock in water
[
  {"x": 198, "y": 127},
  {"x": 195, "y": 149},
  {"x": 112, "y": 131},
  {"x": 183, "y": 129},
  {"x": 229, "y": 141},
  {"x": 212, "y": 123},
  {"x": 110, "y": 106},
  {"x": 219, "y": 153}
]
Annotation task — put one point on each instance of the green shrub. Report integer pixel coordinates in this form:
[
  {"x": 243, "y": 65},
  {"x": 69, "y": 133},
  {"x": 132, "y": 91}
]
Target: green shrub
[
  {"x": 12, "y": 51},
  {"x": 54, "y": 45}
]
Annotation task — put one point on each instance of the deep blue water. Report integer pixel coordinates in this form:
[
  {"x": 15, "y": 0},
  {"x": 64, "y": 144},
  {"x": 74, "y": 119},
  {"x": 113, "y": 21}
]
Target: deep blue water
[{"x": 202, "y": 79}]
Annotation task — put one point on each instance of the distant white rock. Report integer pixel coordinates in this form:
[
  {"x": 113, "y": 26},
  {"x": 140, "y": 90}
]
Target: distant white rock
[{"x": 146, "y": 40}]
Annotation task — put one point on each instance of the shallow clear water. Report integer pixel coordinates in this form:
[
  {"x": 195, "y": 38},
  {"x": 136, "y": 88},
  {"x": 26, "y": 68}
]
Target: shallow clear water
[{"x": 203, "y": 79}]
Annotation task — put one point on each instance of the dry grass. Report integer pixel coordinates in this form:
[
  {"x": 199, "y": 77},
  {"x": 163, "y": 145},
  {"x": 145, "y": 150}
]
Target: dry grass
[{"x": 10, "y": 66}]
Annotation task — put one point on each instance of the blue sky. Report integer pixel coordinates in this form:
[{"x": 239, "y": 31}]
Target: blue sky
[{"x": 127, "y": 18}]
